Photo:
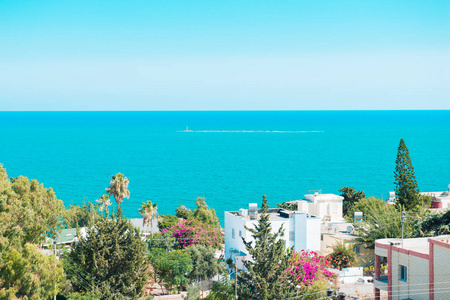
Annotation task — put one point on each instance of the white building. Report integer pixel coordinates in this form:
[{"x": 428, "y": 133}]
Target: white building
[
  {"x": 327, "y": 207},
  {"x": 301, "y": 230}
]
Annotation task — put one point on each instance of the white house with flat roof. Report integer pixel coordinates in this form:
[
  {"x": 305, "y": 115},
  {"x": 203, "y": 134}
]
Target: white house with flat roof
[
  {"x": 327, "y": 207},
  {"x": 301, "y": 230}
]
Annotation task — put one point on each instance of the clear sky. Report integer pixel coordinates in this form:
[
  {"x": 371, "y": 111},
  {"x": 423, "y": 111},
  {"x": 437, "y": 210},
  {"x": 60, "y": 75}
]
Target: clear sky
[{"x": 224, "y": 55}]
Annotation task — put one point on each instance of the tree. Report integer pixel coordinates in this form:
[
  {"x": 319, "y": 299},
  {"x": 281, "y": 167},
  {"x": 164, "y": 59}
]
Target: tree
[
  {"x": 119, "y": 187},
  {"x": 104, "y": 202},
  {"x": 385, "y": 223},
  {"x": 342, "y": 256},
  {"x": 350, "y": 198},
  {"x": 370, "y": 206},
  {"x": 431, "y": 224},
  {"x": 172, "y": 267},
  {"x": 406, "y": 189},
  {"x": 160, "y": 243},
  {"x": 110, "y": 262},
  {"x": 307, "y": 273},
  {"x": 223, "y": 289},
  {"x": 270, "y": 259},
  {"x": 183, "y": 212},
  {"x": 204, "y": 263},
  {"x": 190, "y": 232},
  {"x": 148, "y": 211},
  {"x": 288, "y": 206},
  {"x": 29, "y": 213},
  {"x": 82, "y": 215},
  {"x": 166, "y": 221},
  {"x": 204, "y": 214},
  {"x": 26, "y": 273}
]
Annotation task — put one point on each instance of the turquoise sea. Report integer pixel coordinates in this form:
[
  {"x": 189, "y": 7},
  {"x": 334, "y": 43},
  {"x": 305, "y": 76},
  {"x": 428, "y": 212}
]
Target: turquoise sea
[{"x": 76, "y": 153}]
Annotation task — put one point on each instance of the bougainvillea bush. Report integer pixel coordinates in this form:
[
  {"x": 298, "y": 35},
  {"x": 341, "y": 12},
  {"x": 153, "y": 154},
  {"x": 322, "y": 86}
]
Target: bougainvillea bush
[
  {"x": 342, "y": 257},
  {"x": 191, "y": 232},
  {"x": 307, "y": 268}
]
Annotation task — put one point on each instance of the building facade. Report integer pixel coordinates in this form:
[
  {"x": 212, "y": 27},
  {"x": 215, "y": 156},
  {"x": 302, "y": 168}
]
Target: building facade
[
  {"x": 417, "y": 268},
  {"x": 301, "y": 230}
]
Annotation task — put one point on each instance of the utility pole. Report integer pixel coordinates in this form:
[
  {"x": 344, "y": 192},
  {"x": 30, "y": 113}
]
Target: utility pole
[
  {"x": 54, "y": 243},
  {"x": 235, "y": 281},
  {"x": 403, "y": 221}
]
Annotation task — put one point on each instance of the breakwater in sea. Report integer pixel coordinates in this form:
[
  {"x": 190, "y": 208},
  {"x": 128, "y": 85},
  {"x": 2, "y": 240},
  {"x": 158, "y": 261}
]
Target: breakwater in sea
[
  {"x": 253, "y": 131},
  {"x": 76, "y": 153}
]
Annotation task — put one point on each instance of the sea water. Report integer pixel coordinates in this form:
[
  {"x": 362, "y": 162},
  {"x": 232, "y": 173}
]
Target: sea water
[{"x": 76, "y": 153}]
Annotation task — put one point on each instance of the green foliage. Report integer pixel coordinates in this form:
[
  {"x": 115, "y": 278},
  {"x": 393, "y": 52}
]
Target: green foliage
[
  {"x": 342, "y": 257},
  {"x": 83, "y": 216},
  {"x": 432, "y": 224},
  {"x": 317, "y": 290},
  {"x": 350, "y": 198},
  {"x": 172, "y": 267},
  {"x": 166, "y": 221},
  {"x": 118, "y": 187},
  {"x": 79, "y": 296},
  {"x": 104, "y": 203},
  {"x": 205, "y": 265},
  {"x": 26, "y": 273},
  {"x": 28, "y": 214},
  {"x": 204, "y": 214},
  {"x": 183, "y": 212},
  {"x": 164, "y": 242},
  {"x": 369, "y": 207},
  {"x": 193, "y": 292},
  {"x": 385, "y": 223},
  {"x": 263, "y": 278},
  {"x": 288, "y": 206},
  {"x": 28, "y": 211},
  {"x": 223, "y": 289},
  {"x": 148, "y": 211},
  {"x": 110, "y": 262},
  {"x": 406, "y": 189}
]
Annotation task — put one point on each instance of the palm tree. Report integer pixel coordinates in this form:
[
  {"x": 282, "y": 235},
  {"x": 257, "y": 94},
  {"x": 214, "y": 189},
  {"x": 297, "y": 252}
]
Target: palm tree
[
  {"x": 119, "y": 187},
  {"x": 148, "y": 212},
  {"x": 105, "y": 202}
]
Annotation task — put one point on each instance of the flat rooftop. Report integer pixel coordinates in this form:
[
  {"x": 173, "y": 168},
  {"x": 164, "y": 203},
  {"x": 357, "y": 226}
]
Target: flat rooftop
[
  {"x": 420, "y": 245},
  {"x": 275, "y": 214}
]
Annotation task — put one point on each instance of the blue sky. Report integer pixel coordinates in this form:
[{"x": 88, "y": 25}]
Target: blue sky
[{"x": 224, "y": 55}]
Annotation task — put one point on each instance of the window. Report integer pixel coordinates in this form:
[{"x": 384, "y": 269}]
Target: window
[
  {"x": 232, "y": 233},
  {"x": 291, "y": 236},
  {"x": 240, "y": 233},
  {"x": 357, "y": 250},
  {"x": 403, "y": 273}
]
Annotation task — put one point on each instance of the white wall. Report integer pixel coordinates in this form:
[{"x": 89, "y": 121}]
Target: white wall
[{"x": 306, "y": 232}]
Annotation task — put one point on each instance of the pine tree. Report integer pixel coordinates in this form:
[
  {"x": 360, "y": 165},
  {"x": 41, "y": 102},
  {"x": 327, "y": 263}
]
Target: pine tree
[
  {"x": 263, "y": 277},
  {"x": 406, "y": 189},
  {"x": 110, "y": 262}
]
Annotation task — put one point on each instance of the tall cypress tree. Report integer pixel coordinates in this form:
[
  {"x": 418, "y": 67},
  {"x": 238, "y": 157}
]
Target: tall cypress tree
[
  {"x": 406, "y": 189},
  {"x": 270, "y": 258}
]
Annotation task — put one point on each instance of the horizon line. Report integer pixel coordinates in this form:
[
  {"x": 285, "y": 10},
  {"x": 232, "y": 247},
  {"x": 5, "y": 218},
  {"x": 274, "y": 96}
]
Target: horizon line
[{"x": 227, "y": 110}]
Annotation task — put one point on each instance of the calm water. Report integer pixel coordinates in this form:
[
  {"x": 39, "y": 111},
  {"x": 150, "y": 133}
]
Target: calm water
[{"x": 77, "y": 152}]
